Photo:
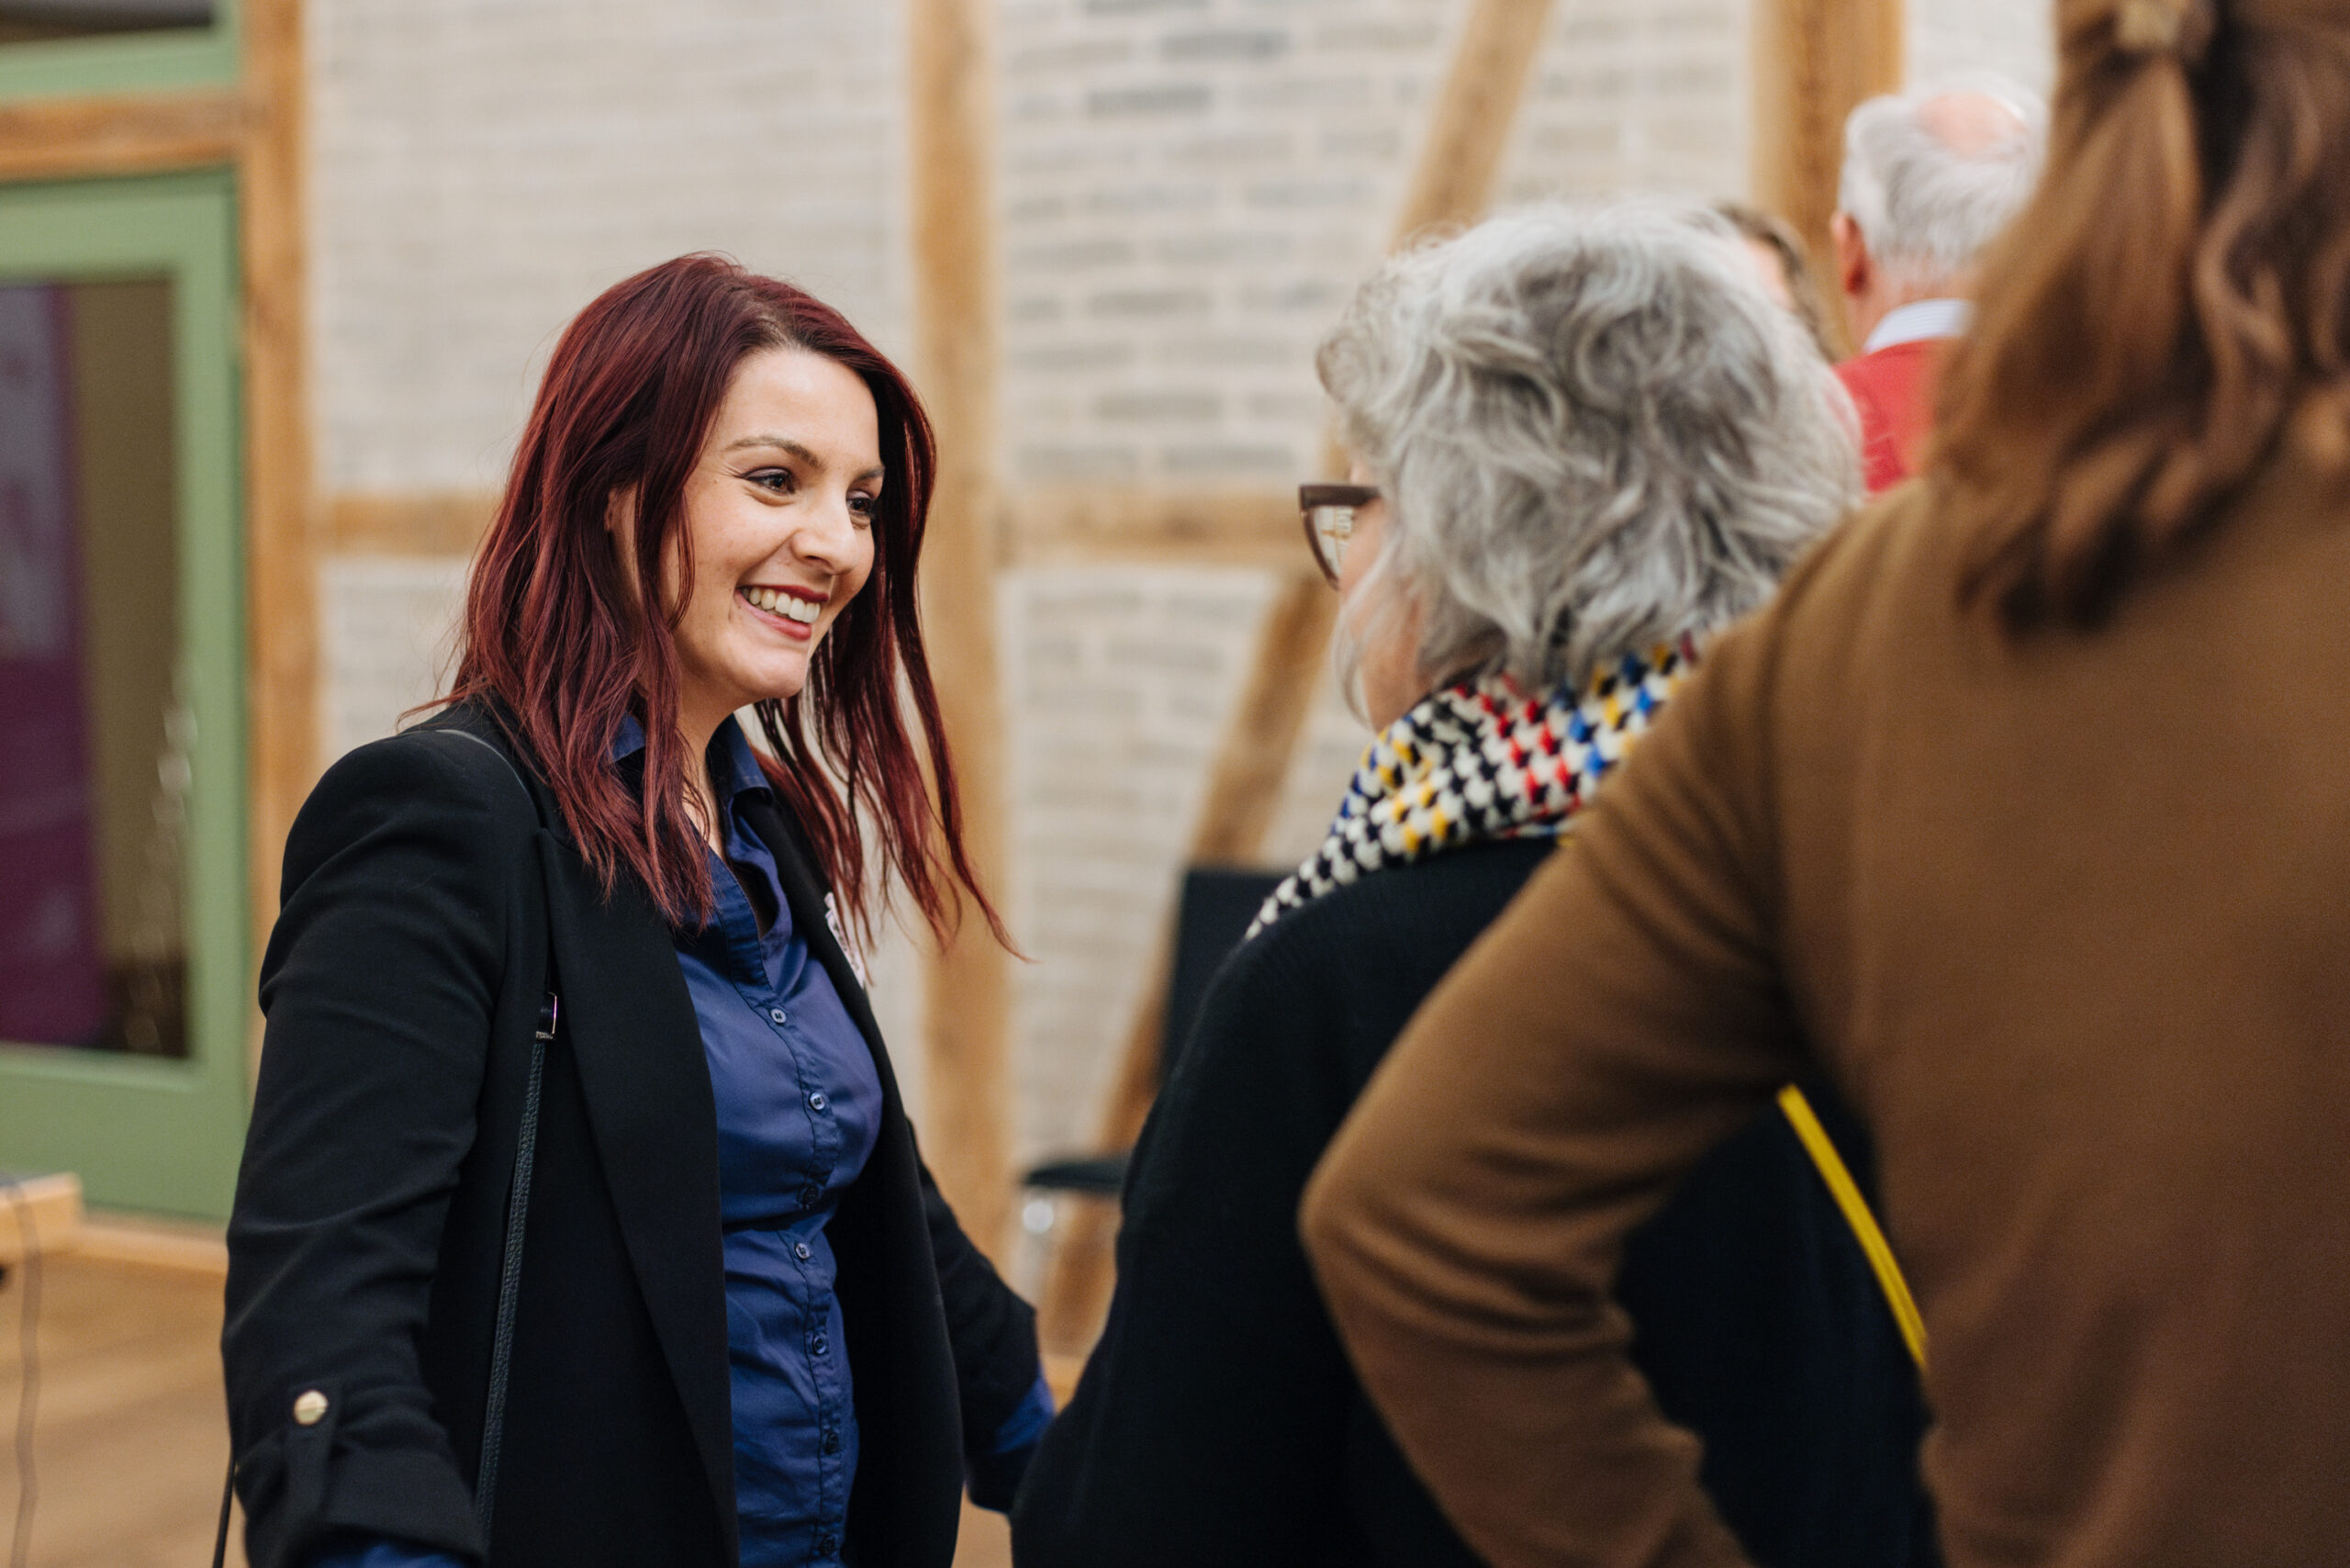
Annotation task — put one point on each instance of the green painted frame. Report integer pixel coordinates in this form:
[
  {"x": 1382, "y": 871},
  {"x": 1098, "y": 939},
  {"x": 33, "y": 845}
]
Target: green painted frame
[
  {"x": 128, "y": 63},
  {"x": 145, "y": 1134}
]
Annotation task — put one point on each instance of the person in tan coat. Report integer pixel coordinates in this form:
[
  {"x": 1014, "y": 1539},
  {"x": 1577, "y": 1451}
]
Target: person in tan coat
[{"x": 2024, "y": 812}]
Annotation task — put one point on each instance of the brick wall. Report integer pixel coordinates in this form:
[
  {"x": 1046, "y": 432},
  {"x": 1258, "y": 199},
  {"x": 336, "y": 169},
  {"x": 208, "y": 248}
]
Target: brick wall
[
  {"x": 1192, "y": 187},
  {"x": 2015, "y": 37},
  {"x": 1189, "y": 187},
  {"x": 1120, "y": 684},
  {"x": 1637, "y": 98},
  {"x": 481, "y": 170},
  {"x": 387, "y": 642}
]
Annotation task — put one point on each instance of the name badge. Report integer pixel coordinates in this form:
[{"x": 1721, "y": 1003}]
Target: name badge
[{"x": 840, "y": 934}]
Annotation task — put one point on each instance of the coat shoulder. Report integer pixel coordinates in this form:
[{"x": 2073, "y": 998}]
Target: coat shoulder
[
  {"x": 1349, "y": 968},
  {"x": 1406, "y": 915},
  {"x": 458, "y": 762},
  {"x": 439, "y": 785}
]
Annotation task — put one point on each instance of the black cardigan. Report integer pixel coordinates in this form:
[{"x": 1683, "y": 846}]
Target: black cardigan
[
  {"x": 426, "y": 907},
  {"x": 1218, "y": 1421}
]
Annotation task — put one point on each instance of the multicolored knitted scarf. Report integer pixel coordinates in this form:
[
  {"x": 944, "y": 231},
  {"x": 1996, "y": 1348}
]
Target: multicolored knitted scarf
[{"x": 1480, "y": 761}]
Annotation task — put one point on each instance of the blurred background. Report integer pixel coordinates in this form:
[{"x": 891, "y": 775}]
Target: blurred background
[{"x": 277, "y": 279}]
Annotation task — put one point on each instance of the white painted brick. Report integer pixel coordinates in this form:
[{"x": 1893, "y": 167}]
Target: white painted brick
[
  {"x": 1189, "y": 193},
  {"x": 1636, "y": 97},
  {"x": 2015, "y": 37},
  {"x": 1119, "y": 682},
  {"x": 482, "y": 170},
  {"x": 387, "y": 631}
]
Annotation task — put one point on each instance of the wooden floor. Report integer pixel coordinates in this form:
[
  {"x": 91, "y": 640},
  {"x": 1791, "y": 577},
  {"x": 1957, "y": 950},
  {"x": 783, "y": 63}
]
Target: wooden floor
[{"x": 131, "y": 1440}]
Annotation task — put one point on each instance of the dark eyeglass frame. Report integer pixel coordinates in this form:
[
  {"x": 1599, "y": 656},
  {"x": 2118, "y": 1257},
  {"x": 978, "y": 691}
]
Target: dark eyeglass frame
[{"x": 1328, "y": 514}]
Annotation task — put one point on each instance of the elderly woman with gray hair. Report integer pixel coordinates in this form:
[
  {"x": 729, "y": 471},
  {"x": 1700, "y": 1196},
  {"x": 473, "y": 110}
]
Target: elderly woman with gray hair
[{"x": 1583, "y": 441}]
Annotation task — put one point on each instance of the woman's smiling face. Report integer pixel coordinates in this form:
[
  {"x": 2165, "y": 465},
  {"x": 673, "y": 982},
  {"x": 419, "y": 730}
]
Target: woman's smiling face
[{"x": 780, "y": 511}]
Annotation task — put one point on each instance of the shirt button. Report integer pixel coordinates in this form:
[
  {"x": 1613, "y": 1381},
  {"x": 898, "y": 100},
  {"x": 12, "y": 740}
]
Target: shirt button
[
  {"x": 800, "y": 1251},
  {"x": 831, "y": 1442},
  {"x": 817, "y": 1102},
  {"x": 810, "y": 1196},
  {"x": 775, "y": 1013},
  {"x": 818, "y": 1344},
  {"x": 309, "y": 1408},
  {"x": 827, "y": 1545}
]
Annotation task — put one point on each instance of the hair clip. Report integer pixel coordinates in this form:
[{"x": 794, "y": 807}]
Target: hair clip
[{"x": 2149, "y": 26}]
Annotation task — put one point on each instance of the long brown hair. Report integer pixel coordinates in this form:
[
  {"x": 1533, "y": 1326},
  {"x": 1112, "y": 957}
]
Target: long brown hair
[
  {"x": 554, "y": 635},
  {"x": 2179, "y": 287}
]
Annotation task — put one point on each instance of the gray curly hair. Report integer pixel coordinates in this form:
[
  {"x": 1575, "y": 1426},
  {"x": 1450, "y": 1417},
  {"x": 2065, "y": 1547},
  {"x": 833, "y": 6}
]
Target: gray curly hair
[{"x": 1595, "y": 433}]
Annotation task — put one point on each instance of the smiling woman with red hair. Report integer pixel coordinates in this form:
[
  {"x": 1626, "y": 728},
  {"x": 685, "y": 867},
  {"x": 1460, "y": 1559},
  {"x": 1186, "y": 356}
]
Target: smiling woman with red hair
[{"x": 579, "y": 1200}]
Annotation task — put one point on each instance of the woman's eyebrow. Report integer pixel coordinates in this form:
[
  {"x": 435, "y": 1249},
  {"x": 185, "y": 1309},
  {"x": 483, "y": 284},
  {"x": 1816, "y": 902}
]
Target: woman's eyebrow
[
  {"x": 785, "y": 443},
  {"x": 782, "y": 443}
]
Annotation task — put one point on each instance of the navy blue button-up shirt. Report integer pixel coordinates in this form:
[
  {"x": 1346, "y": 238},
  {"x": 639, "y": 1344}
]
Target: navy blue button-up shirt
[{"x": 798, "y": 1110}]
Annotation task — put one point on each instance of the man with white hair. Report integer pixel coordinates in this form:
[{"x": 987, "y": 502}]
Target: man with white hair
[{"x": 1930, "y": 180}]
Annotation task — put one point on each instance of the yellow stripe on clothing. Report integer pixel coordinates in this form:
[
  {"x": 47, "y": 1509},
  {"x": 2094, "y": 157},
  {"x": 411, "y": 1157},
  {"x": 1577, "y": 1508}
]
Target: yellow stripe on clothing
[{"x": 1847, "y": 1193}]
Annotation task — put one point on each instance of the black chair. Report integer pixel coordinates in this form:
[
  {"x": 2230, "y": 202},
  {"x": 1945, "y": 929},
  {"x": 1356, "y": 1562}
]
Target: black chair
[{"x": 1212, "y": 914}]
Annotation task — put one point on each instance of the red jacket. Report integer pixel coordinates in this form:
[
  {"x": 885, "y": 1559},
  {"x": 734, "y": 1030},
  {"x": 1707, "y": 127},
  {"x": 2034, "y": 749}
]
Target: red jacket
[{"x": 1894, "y": 389}]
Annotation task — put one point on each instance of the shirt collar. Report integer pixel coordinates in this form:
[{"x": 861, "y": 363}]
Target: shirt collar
[
  {"x": 735, "y": 766},
  {"x": 1919, "y": 322},
  {"x": 628, "y": 739}
]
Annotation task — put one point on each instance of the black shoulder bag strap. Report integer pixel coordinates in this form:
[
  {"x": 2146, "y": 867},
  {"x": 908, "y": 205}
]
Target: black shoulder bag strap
[{"x": 509, "y": 1273}]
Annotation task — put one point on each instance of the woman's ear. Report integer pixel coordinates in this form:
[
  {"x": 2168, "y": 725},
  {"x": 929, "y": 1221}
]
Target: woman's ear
[
  {"x": 620, "y": 514},
  {"x": 620, "y": 527}
]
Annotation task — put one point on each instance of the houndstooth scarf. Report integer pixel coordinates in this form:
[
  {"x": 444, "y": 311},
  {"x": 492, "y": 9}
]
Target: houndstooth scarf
[{"x": 1479, "y": 761}]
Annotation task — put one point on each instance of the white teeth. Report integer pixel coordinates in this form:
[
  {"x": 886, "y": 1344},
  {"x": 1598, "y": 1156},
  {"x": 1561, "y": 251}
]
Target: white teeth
[{"x": 804, "y": 610}]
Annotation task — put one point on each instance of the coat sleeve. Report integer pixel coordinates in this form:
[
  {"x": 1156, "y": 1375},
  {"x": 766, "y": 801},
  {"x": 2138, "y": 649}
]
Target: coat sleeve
[
  {"x": 1621, "y": 1018},
  {"x": 379, "y": 986},
  {"x": 1211, "y": 1422},
  {"x": 991, "y": 1331}
]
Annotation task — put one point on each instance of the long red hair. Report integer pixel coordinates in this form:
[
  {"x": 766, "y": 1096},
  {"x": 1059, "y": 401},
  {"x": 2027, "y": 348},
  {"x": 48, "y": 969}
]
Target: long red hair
[{"x": 554, "y": 635}]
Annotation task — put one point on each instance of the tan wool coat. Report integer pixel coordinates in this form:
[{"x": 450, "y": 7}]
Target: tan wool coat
[{"x": 2066, "y": 914}]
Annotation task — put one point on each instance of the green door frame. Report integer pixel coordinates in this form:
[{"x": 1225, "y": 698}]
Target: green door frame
[{"x": 142, "y": 1133}]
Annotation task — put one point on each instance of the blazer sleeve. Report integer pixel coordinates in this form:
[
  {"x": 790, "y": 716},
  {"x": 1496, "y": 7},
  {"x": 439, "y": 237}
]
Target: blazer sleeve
[
  {"x": 1210, "y": 1423},
  {"x": 991, "y": 1331},
  {"x": 1621, "y": 1018},
  {"x": 378, "y": 985}
]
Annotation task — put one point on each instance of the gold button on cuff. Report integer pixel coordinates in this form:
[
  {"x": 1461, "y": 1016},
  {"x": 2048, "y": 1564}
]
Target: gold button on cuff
[{"x": 310, "y": 1407}]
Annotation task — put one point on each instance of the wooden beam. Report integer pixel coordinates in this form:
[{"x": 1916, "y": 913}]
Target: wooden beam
[
  {"x": 1044, "y": 527},
  {"x": 281, "y": 557},
  {"x": 1452, "y": 184},
  {"x": 1254, "y": 528},
  {"x": 52, "y": 138},
  {"x": 431, "y": 523},
  {"x": 1814, "y": 62},
  {"x": 968, "y": 999},
  {"x": 1475, "y": 112}
]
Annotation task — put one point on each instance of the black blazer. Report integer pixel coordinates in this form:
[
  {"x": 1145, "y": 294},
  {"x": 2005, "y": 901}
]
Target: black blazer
[
  {"x": 427, "y": 906},
  {"x": 1218, "y": 1421}
]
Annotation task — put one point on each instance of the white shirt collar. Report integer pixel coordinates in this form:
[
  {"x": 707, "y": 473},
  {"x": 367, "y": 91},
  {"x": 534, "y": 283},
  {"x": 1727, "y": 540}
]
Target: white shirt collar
[{"x": 1918, "y": 321}]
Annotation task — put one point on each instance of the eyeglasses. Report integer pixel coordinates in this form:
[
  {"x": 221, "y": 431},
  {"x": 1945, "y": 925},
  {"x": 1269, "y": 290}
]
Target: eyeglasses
[{"x": 1328, "y": 511}]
